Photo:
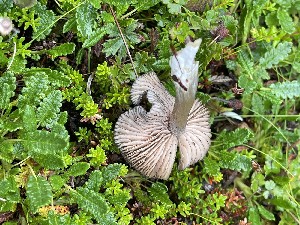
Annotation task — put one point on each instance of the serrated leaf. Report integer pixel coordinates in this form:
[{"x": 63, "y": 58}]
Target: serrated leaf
[
  {"x": 29, "y": 118},
  {"x": 158, "y": 192},
  {"x": 95, "y": 3},
  {"x": 17, "y": 64},
  {"x": 7, "y": 88},
  {"x": 228, "y": 139},
  {"x": 35, "y": 89},
  {"x": 211, "y": 167},
  {"x": 285, "y": 21},
  {"x": 174, "y": 8},
  {"x": 234, "y": 161},
  {"x": 46, "y": 21},
  {"x": 6, "y": 151},
  {"x": 49, "y": 108},
  {"x": 287, "y": 89},
  {"x": 94, "y": 203},
  {"x": 78, "y": 169},
  {"x": 120, "y": 197},
  {"x": 143, "y": 63},
  {"x": 56, "y": 78},
  {"x": 257, "y": 181},
  {"x": 57, "y": 182},
  {"x": 94, "y": 37},
  {"x": 112, "y": 46},
  {"x": 265, "y": 213},
  {"x": 46, "y": 148},
  {"x": 69, "y": 25},
  {"x": 9, "y": 194},
  {"x": 246, "y": 64},
  {"x": 253, "y": 216},
  {"x": 275, "y": 55},
  {"x": 110, "y": 172},
  {"x": 54, "y": 218},
  {"x": 61, "y": 50},
  {"x": 116, "y": 44},
  {"x": 85, "y": 17},
  {"x": 38, "y": 192},
  {"x": 13, "y": 122},
  {"x": 257, "y": 104},
  {"x": 95, "y": 180}
]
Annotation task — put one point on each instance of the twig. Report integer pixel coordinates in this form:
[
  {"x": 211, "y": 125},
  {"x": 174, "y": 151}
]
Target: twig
[{"x": 123, "y": 38}]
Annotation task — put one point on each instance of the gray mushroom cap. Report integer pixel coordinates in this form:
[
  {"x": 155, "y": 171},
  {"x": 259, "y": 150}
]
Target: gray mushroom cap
[{"x": 145, "y": 139}]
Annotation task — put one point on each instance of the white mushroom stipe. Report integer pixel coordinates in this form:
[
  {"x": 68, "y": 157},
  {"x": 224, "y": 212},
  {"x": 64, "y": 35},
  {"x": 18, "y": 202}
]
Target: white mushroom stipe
[{"x": 149, "y": 140}]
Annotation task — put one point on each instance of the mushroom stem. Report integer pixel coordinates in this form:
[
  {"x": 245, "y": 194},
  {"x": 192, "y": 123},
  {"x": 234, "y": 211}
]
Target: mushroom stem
[
  {"x": 184, "y": 101},
  {"x": 184, "y": 72}
]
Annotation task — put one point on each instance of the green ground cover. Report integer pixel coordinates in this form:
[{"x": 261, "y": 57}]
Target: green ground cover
[{"x": 66, "y": 70}]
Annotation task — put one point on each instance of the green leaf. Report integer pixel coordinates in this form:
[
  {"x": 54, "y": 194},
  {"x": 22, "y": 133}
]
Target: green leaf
[
  {"x": 46, "y": 148},
  {"x": 246, "y": 64},
  {"x": 285, "y": 21},
  {"x": 35, "y": 89},
  {"x": 95, "y": 37},
  {"x": 253, "y": 216},
  {"x": 234, "y": 161},
  {"x": 287, "y": 89},
  {"x": 211, "y": 167},
  {"x": 257, "y": 104},
  {"x": 257, "y": 181},
  {"x": 235, "y": 138},
  {"x": 116, "y": 44},
  {"x": 54, "y": 218},
  {"x": 78, "y": 169},
  {"x": 111, "y": 172},
  {"x": 159, "y": 193},
  {"x": 94, "y": 203},
  {"x": 29, "y": 118},
  {"x": 7, "y": 88},
  {"x": 143, "y": 63},
  {"x": 18, "y": 64},
  {"x": 95, "y": 180},
  {"x": 266, "y": 214},
  {"x": 6, "y": 151},
  {"x": 49, "y": 108},
  {"x": 95, "y": 3},
  {"x": 57, "y": 182},
  {"x": 70, "y": 25},
  {"x": 61, "y": 50},
  {"x": 9, "y": 194},
  {"x": 275, "y": 55},
  {"x": 145, "y": 5},
  {"x": 6, "y": 5},
  {"x": 56, "y": 78},
  {"x": 112, "y": 46},
  {"x": 38, "y": 192},
  {"x": 85, "y": 17},
  {"x": 282, "y": 202},
  {"x": 46, "y": 21},
  {"x": 248, "y": 84}
]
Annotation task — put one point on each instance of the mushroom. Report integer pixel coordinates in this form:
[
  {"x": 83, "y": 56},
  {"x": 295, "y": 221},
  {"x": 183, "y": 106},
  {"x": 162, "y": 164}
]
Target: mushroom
[
  {"x": 149, "y": 140},
  {"x": 6, "y": 26}
]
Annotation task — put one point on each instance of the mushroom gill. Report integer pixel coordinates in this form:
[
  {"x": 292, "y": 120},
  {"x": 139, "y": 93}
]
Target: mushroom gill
[{"x": 149, "y": 140}]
